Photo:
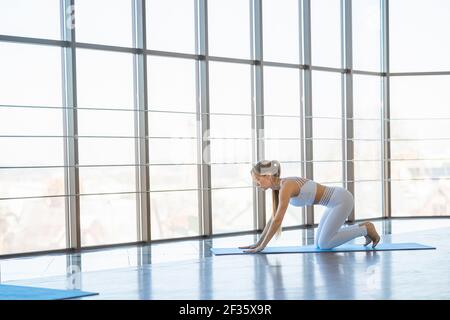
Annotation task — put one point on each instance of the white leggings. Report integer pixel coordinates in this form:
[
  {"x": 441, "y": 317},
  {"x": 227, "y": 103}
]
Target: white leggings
[{"x": 330, "y": 232}]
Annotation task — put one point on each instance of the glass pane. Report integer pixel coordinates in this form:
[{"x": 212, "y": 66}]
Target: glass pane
[
  {"x": 367, "y": 170},
  {"x": 171, "y": 25},
  {"x": 231, "y": 150},
  {"x": 281, "y": 91},
  {"x": 415, "y": 98},
  {"x": 106, "y": 151},
  {"x": 31, "y": 121},
  {"x": 367, "y": 150},
  {"x": 420, "y": 129},
  {"x": 367, "y": 129},
  {"x": 421, "y": 169},
  {"x": 326, "y": 94},
  {"x": 412, "y": 22},
  {"x": 231, "y": 175},
  {"x": 32, "y": 225},
  {"x": 104, "y": 79},
  {"x": 31, "y": 182},
  {"x": 326, "y": 33},
  {"x": 420, "y": 198},
  {"x": 167, "y": 177},
  {"x": 328, "y": 173},
  {"x": 229, "y": 28},
  {"x": 24, "y": 18},
  {"x": 420, "y": 97},
  {"x": 230, "y": 88},
  {"x": 181, "y": 125},
  {"x": 173, "y": 151},
  {"x": 290, "y": 169},
  {"x": 368, "y": 201},
  {"x": 366, "y": 31},
  {"x": 420, "y": 149},
  {"x": 31, "y": 152},
  {"x": 230, "y": 126},
  {"x": 235, "y": 215},
  {"x": 104, "y": 22},
  {"x": 105, "y": 123},
  {"x": 174, "y": 214},
  {"x": 367, "y": 99},
  {"x": 30, "y": 75},
  {"x": 167, "y": 76},
  {"x": 367, "y": 104},
  {"x": 327, "y": 150},
  {"x": 281, "y": 30},
  {"x": 327, "y": 128},
  {"x": 108, "y": 219},
  {"x": 283, "y": 150},
  {"x": 282, "y": 127},
  {"x": 107, "y": 179}
]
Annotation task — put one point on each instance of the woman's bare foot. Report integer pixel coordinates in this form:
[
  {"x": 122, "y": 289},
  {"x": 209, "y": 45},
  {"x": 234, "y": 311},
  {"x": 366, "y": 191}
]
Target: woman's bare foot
[{"x": 372, "y": 234}]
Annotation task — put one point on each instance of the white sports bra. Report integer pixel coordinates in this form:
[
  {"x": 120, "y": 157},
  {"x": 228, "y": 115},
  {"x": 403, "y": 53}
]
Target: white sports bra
[{"x": 307, "y": 192}]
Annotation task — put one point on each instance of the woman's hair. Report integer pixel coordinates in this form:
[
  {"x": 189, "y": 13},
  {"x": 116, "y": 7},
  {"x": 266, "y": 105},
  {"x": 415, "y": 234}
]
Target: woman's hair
[{"x": 270, "y": 168}]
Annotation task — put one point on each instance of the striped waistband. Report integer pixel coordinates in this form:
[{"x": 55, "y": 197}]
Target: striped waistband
[{"x": 326, "y": 196}]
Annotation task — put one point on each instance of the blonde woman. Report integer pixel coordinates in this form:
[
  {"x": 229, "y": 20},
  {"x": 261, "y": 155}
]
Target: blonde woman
[{"x": 302, "y": 192}]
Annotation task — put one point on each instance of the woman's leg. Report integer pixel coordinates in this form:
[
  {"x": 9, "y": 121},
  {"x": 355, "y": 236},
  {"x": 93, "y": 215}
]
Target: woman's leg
[
  {"x": 332, "y": 233},
  {"x": 321, "y": 224}
]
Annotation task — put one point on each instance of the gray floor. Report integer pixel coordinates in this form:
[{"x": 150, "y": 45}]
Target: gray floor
[{"x": 187, "y": 270}]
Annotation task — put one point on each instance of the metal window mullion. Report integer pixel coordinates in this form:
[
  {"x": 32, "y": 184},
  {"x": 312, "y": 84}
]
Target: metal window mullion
[
  {"x": 259, "y": 196},
  {"x": 347, "y": 100},
  {"x": 142, "y": 175},
  {"x": 307, "y": 129},
  {"x": 385, "y": 116},
  {"x": 301, "y": 117},
  {"x": 203, "y": 119},
  {"x": 70, "y": 127}
]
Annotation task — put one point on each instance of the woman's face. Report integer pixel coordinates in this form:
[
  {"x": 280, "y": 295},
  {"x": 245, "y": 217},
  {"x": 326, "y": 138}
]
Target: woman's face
[{"x": 263, "y": 182}]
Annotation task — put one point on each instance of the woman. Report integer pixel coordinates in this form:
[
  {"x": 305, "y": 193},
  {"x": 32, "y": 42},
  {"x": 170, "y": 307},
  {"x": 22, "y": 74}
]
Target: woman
[{"x": 302, "y": 192}]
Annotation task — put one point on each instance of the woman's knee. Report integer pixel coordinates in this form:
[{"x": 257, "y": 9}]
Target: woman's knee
[{"x": 324, "y": 244}]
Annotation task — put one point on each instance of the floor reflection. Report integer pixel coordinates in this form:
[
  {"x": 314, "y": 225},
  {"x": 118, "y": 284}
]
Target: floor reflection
[{"x": 188, "y": 270}]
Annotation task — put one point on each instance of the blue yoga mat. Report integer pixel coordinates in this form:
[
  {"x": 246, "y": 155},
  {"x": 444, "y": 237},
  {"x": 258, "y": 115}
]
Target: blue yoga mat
[
  {"x": 313, "y": 248},
  {"x": 13, "y": 292}
]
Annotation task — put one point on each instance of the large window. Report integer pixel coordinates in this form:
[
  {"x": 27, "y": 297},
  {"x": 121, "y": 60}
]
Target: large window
[
  {"x": 231, "y": 145},
  {"x": 366, "y": 30},
  {"x": 419, "y": 35},
  {"x": 229, "y": 28},
  {"x": 31, "y": 175},
  {"x": 282, "y": 125},
  {"x": 177, "y": 19},
  {"x": 172, "y": 128},
  {"x": 106, "y": 147},
  {"x": 420, "y": 117},
  {"x": 112, "y": 125},
  {"x": 104, "y": 22},
  {"x": 367, "y": 107},
  {"x": 326, "y": 33},
  {"x": 327, "y": 131},
  {"x": 24, "y": 18},
  {"x": 281, "y": 31}
]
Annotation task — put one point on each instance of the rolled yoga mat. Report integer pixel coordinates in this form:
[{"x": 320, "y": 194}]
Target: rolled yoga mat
[
  {"x": 13, "y": 292},
  {"x": 341, "y": 248}
]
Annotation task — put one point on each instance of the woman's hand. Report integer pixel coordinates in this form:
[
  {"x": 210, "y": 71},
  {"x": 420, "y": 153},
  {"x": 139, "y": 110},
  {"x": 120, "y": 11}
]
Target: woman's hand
[
  {"x": 252, "y": 246},
  {"x": 254, "y": 250}
]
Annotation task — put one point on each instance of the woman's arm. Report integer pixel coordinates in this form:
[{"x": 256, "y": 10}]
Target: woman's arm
[
  {"x": 261, "y": 237},
  {"x": 275, "y": 222},
  {"x": 266, "y": 229}
]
